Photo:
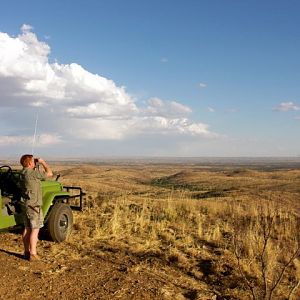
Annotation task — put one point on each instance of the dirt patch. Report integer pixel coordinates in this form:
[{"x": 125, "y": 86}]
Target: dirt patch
[{"x": 103, "y": 275}]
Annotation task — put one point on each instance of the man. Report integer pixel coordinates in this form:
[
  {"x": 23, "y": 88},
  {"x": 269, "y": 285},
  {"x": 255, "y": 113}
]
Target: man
[{"x": 32, "y": 196}]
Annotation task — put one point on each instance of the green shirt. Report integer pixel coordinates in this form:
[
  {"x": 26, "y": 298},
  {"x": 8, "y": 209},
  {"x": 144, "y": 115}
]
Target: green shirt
[{"x": 31, "y": 186}]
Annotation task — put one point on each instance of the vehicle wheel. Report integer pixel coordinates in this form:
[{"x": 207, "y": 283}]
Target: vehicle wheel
[{"x": 60, "y": 222}]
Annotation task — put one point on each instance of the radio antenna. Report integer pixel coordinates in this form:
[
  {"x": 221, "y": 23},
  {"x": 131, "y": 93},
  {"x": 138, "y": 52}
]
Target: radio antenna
[{"x": 34, "y": 135}]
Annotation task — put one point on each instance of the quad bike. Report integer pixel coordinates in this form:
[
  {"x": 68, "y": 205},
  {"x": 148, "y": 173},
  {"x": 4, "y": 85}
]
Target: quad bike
[{"x": 58, "y": 203}]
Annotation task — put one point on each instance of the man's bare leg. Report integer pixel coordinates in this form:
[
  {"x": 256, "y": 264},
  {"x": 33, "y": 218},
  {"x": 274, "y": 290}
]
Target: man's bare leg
[
  {"x": 33, "y": 240},
  {"x": 26, "y": 239}
]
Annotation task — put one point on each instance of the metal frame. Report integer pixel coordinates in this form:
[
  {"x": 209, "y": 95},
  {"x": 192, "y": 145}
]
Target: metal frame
[{"x": 80, "y": 195}]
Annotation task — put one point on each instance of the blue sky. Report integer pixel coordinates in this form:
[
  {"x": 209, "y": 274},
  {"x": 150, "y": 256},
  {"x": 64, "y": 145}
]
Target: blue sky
[{"x": 154, "y": 78}]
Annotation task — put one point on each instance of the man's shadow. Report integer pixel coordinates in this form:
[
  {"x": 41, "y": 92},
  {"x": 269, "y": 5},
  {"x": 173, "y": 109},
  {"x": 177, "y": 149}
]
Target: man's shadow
[{"x": 18, "y": 255}]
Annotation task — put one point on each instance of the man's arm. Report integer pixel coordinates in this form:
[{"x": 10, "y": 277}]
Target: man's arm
[{"x": 47, "y": 169}]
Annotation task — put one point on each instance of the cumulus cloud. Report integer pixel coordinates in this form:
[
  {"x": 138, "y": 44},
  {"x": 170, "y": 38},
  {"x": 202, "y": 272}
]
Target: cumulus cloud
[
  {"x": 24, "y": 65},
  {"x": 157, "y": 124},
  {"x": 75, "y": 102},
  {"x": 158, "y": 107},
  {"x": 287, "y": 106}
]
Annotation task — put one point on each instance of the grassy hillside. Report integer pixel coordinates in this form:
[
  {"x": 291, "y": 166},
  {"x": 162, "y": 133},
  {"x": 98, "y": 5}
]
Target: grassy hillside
[{"x": 234, "y": 229}]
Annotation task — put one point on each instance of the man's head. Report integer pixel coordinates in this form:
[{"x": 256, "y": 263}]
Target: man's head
[{"x": 27, "y": 161}]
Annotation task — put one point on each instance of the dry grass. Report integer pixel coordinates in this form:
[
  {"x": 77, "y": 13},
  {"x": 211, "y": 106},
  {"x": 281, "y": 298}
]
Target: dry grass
[{"x": 237, "y": 230}]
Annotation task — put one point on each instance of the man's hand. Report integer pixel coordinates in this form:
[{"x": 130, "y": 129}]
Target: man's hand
[{"x": 47, "y": 169}]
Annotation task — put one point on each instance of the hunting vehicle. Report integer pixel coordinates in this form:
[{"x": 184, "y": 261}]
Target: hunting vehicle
[{"x": 58, "y": 203}]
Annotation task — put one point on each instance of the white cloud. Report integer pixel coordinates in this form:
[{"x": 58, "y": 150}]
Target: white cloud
[
  {"x": 164, "y": 60},
  {"x": 23, "y": 58},
  {"x": 202, "y": 85},
  {"x": 40, "y": 141},
  {"x": 26, "y": 28},
  {"x": 161, "y": 125},
  {"x": 100, "y": 110},
  {"x": 210, "y": 109},
  {"x": 159, "y": 107},
  {"x": 98, "y": 129},
  {"x": 76, "y": 103},
  {"x": 287, "y": 106},
  {"x": 48, "y": 139},
  {"x": 14, "y": 140}
]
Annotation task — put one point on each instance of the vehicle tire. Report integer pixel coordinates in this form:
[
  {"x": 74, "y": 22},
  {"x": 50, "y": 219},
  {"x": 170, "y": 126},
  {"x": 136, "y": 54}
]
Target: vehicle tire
[{"x": 60, "y": 222}]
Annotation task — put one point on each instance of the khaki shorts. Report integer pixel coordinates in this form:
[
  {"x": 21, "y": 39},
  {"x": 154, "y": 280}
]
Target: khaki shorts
[{"x": 33, "y": 217}]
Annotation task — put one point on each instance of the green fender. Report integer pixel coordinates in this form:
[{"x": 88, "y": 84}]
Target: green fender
[
  {"x": 51, "y": 190},
  {"x": 49, "y": 199}
]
